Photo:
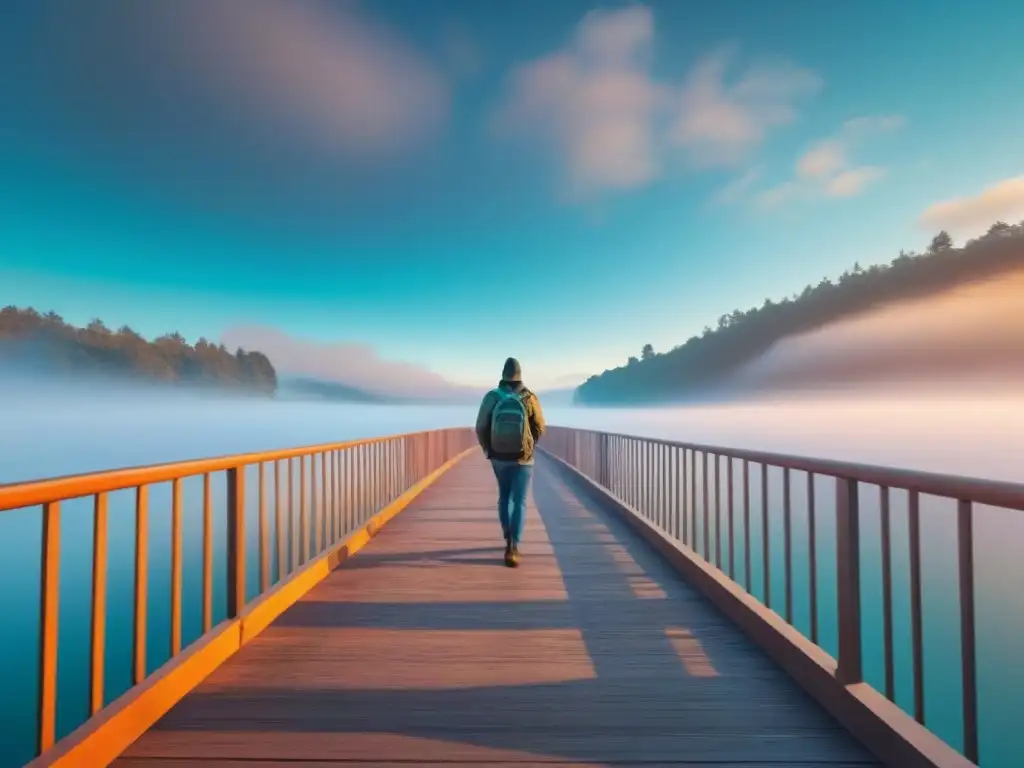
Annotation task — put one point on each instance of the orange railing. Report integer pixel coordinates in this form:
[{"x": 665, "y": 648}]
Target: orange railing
[
  {"x": 341, "y": 486},
  {"x": 681, "y": 490}
]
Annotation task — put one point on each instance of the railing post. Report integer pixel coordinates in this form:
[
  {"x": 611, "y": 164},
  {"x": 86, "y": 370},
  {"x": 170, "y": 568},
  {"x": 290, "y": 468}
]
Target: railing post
[
  {"x": 49, "y": 595},
  {"x": 236, "y": 541},
  {"x": 848, "y": 580},
  {"x": 965, "y": 562}
]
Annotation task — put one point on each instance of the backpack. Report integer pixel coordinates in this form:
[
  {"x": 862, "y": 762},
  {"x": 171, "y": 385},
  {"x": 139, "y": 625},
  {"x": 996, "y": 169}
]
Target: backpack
[{"x": 510, "y": 425}]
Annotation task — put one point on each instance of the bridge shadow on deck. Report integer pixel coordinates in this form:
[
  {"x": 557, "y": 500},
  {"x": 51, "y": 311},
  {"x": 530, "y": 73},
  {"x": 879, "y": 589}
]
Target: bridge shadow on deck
[{"x": 424, "y": 649}]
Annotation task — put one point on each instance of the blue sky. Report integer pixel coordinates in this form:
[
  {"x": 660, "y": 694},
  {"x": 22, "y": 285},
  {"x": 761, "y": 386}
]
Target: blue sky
[{"x": 448, "y": 183}]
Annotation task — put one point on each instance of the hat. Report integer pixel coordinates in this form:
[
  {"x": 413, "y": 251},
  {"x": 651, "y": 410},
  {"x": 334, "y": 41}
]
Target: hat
[{"x": 512, "y": 371}]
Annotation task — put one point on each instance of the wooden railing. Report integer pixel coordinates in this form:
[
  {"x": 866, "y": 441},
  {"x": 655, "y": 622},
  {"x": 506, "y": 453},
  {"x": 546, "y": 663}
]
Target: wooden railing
[
  {"x": 341, "y": 486},
  {"x": 668, "y": 483}
]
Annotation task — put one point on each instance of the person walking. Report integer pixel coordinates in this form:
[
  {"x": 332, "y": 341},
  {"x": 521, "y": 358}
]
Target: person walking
[{"x": 508, "y": 426}]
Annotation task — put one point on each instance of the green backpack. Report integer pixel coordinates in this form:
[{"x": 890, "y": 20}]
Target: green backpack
[{"x": 510, "y": 426}]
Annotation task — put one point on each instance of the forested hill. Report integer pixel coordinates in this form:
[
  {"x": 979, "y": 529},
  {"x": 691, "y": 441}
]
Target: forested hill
[
  {"x": 704, "y": 362},
  {"x": 43, "y": 344}
]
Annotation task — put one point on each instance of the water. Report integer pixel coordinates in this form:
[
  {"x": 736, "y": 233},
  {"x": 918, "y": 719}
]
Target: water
[{"x": 53, "y": 436}]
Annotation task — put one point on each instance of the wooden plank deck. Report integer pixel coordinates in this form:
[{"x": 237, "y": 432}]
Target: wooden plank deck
[{"x": 424, "y": 649}]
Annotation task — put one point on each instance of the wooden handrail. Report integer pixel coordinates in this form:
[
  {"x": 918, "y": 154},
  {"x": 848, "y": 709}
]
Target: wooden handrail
[
  {"x": 658, "y": 479},
  {"x": 342, "y": 486},
  {"x": 31, "y": 493},
  {"x": 995, "y": 493}
]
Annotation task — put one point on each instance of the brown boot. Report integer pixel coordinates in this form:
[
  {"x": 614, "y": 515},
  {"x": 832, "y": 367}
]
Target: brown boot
[{"x": 512, "y": 556}]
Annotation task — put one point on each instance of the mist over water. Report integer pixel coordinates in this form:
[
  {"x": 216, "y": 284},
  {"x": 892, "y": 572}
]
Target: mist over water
[
  {"x": 962, "y": 343},
  {"x": 53, "y": 431}
]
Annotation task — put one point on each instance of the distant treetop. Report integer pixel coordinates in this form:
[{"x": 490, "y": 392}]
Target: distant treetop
[
  {"x": 740, "y": 336},
  {"x": 47, "y": 344}
]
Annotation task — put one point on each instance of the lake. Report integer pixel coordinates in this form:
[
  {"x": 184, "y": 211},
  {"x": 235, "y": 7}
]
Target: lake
[{"x": 52, "y": 435}]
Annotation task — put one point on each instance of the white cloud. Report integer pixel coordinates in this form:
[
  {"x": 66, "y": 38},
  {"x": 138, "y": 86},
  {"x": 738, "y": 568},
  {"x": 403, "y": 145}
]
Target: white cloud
[
  {"x": 823, "y": 159},
  {"x": 829, "y": 156},
  {"x": 597, "y": 103},
  {"x": 971, "y": 216},
  {"x": 357, "y": 365},
  {"x": 824, "y": 169},
  {"x": 327, "y": 73},
  {"x": 854, "y": 181},
  {"x": 594, "y": 100},
  {"x": 719, "y": 123}
]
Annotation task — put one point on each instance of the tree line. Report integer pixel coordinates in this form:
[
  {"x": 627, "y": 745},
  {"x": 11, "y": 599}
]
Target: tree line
[
  {"x": 45, "y": 343},
  {"x": 706, "y": 360}
]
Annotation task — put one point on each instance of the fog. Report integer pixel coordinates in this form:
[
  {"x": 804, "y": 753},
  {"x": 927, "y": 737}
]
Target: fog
[
  {"x": 53, "y": 429},
  {"x": 964, "y": 342}
]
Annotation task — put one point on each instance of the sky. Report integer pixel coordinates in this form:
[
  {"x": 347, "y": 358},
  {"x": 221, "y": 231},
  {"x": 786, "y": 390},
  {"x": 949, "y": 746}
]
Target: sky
[{"x": 437, "y": 185}]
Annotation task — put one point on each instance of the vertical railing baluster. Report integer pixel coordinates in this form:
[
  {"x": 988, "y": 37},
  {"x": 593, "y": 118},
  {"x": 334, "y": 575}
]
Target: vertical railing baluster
[
  {"x": 748, "y": 582},
  {"x": 49, "y": 614},
  {"x": 141, "y": 573},
  {"x": 787, "y": 543},
  {"x": 705, "y": 517},
  {"x": 732, "y": 524},
  {"x": 812, "y": 543},
  {"x": 652, "y": 483},
  {"x": 316, "y": 502},
  {"x": 676, "y": 487},
  {"x": 339, "y": 495},
  {"x": 396, "y": 485},
  {"x": 638, "y": 474},
  {"x": 649, "y": 504},
  {"x": 236, "y": 540},
  {"x": 693, "y": 501},
  {"x": 378, "y": 475},
  {"x": 916, "y": 612},
  {"x": 207, "y": 553},
  {"x": 684, "y": 505},
  {"x": 887, "y": 652},
  {"x": 969, "y": 679},
  {"x": 849, "y": 668},
  {"x": 263, "y": 533},
  {"x": 666, "y": 485},
  {"x": 303, "y": 513},
  {"x": 349, "y": 489},
  {"x": 718, "y": 511},
  {"x": 176, "y": 567},
  {"x": 279, "y": 534},
  {"x": 766, "y": 564},
  {"x": 359, "y": 476},
  {"x": 629, "y": 476},
  {"x": 335, "y": 496},
  {"x": 98, "y": 624},
  {"x": 328, "y": 469},
  {"x": 634, "y": 474},
  {"x": 293, "y": 539}
]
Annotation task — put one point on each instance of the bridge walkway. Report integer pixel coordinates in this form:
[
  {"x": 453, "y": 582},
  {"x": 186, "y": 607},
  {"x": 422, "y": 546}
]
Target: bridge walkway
[{"x": 424, "y": 649}]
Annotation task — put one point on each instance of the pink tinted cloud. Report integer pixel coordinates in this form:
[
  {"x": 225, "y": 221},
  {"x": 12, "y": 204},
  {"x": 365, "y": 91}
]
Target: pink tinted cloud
[
  {"x": 615, "y": 126},
  {"x": 719, "y": 122},
  {"x": 357, "y": 365},
  {"x": 853, "y": 181},
  {"x": 593, "y": 100},
  {"x": 327, "y": 73},
  {"x": 825, "y": 170},
  {"x": 972, "y": 215}
]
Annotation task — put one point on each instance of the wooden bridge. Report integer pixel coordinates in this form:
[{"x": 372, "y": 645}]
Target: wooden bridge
[{"x": 623, "y": 638}]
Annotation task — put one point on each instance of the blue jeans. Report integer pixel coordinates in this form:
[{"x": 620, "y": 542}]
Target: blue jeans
[{"x": 513, "y": 483}]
